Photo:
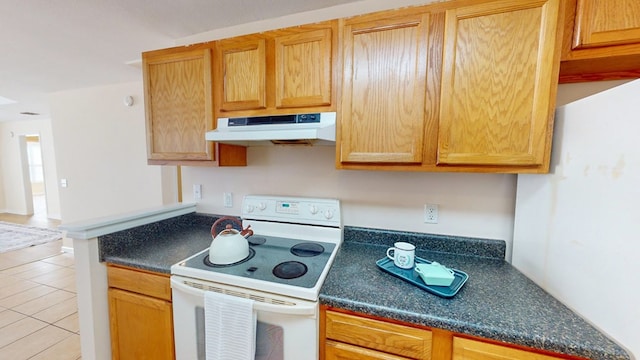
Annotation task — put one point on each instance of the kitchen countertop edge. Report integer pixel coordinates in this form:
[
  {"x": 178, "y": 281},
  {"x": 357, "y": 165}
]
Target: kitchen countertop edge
[{"x": 93, "y": 228}]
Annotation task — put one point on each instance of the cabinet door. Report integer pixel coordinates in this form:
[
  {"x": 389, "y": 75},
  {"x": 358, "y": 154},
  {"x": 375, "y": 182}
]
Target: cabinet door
[
  {"x": 499, "y": 80},
  {"x": 303, "y": 69},
  {"x": 605, "y": 23},
  {"x": 240, "y": 77},
  {"x": 383, "y": 97},
  {"x": 376, "y": 335},
  {"x": 141, "y": 326},
  {"x": 178, "y": 104},
  {"x": 465, "y": 349},
  {"x": 339, "y": 351}
]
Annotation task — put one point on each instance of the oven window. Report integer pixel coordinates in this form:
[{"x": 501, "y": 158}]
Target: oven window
[
  {"x": 202, "y": 354},
  {"x": 269, "y": 339},
  {"x": 269, "y": 342}
]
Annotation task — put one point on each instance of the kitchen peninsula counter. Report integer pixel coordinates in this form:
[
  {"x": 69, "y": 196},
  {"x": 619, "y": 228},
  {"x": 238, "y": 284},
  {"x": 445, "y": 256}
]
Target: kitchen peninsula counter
[
  {"x": 497, "y": 302},
  {"x": 157, "y": 246}
]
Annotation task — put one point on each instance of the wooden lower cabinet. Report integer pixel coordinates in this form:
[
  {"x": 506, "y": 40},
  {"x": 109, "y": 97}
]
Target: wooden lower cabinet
[
  {"x": 354, "y": 337},
  {"x": 345, "y": 335},
  {"x": 340, "y": 351},
  {"x": 466, "y": 349},
  {"x": 140, "y": 314}
]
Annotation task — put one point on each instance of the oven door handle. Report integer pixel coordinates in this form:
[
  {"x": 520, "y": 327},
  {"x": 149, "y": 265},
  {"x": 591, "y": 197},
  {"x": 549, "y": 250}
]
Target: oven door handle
[{"x": 306, "y": 308}]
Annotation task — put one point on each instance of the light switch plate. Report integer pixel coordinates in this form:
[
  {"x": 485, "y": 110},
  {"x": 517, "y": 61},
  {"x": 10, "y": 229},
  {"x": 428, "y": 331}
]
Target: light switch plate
[
  {"x": 228, "y": 199},
  {"x": 197, "y": 192}
]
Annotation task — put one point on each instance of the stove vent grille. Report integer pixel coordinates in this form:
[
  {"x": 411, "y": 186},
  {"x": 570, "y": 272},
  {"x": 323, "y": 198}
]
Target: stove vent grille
[{"x": 236, "y": 293}]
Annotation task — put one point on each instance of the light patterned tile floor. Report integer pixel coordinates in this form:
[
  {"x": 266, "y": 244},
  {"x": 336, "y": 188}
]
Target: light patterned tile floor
[{"x": 38, "y": 308}]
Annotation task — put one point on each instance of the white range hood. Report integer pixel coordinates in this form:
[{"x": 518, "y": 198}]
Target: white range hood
[{"x": 295, "y": 129}]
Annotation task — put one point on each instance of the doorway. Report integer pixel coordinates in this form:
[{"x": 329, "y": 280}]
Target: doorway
[{"x": 36, "y": 176}]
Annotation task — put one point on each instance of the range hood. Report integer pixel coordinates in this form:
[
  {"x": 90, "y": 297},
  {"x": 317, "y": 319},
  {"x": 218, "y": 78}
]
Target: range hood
[{"x": 295, "y": 129}]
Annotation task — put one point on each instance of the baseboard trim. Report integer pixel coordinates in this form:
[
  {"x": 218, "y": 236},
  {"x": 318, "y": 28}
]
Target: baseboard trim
[{"x": 67, "y": 249}]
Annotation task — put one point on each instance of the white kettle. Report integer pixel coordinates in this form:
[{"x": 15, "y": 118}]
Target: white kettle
[{"x": 229, "y": 245}]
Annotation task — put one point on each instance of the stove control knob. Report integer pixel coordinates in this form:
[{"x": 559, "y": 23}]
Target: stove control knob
[
  {"x": 250, "y": 208},
  {"x": 328, "y": 214},
  {"x": 262, "y": 206},
  {"x": 313, "y": 209}
]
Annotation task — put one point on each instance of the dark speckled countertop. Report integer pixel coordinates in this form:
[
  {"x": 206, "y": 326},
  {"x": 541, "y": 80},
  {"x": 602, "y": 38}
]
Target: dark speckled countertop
[
  {"x": 157, "y": 246},
  {"x": 497, "y": 302}
]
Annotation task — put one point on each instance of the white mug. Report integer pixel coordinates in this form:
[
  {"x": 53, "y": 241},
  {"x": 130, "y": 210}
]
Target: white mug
[{"x": 403, "y": 254}]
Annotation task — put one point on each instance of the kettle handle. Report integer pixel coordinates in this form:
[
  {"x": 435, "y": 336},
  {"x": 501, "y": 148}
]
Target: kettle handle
[{"x": 244, "y": 232}]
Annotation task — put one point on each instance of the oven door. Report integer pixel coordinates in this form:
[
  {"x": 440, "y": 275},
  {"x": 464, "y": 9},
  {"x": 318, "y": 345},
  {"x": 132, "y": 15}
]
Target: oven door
[{"x": 287, "y": 328}]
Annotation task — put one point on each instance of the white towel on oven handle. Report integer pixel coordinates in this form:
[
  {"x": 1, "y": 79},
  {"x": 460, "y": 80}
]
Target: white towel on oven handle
[{"x": 230, "y": 327}]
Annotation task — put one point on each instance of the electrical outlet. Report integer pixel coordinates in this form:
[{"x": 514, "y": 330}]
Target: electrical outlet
[
  {"x": 228, "y": 199},
  {"x": 431, "y": 213},
  {"x": 197, "y": 192}
]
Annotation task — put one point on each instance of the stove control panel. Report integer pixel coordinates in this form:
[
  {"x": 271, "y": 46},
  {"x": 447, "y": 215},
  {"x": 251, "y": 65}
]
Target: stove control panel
[
  {"x": 299, "y": 210},
  {"x": 288, "y": 207}
]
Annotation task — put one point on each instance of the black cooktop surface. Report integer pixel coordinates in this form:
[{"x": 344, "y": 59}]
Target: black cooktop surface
[{"x": 274, "y": 259}]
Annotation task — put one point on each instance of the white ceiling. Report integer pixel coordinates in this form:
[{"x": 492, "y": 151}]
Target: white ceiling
[{"x": 54, "y": 45}]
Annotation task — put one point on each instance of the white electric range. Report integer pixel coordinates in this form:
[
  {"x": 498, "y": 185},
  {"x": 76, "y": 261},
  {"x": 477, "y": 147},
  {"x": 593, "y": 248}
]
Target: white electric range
[{"x": 292, "y": 248}]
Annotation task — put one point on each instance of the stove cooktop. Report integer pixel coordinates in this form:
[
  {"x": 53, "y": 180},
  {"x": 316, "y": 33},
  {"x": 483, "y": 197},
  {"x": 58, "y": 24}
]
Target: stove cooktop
[{"x": 273, "y": 259}]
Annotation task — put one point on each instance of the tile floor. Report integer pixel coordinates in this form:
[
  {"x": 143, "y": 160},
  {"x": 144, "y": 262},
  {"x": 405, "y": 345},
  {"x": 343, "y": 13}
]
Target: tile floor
[{"x": 38, "y": 309}]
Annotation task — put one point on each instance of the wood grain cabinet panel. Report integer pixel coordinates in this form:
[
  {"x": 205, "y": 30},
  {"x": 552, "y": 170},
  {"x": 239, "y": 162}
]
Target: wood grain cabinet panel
[
  {"x": 339, "y": 351},
  {"x": 606, "y": 23},
  {"x": 383, "y": 96},
  {"x": 303, "y": 69},
  {"x": 454, "y": 86},
  {"x": 363, "y": 333},
  {"x": 145, "y": 283},
  {"x": 178, "y": 104},
  {"x": 345, "y": 335},
  {"x": 140, "y": 316},
  {"x": 284, "y": 71},
  {"x": 241, "y": 73},
  {"x": 601, "y": 41},
  {"x": 179, "y": 109},
  {"x": 499, "y": 83},
  {"x": 466, "y": 349}
]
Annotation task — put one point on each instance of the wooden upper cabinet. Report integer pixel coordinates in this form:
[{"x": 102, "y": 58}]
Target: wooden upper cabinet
[
  {"x": 383, "y": 91},
  {"x": 605, "y": 23},
  {"x": 281, "y": 71},
  {"x": 601, "y": 40},
  {"x": 303, "y": 69},
  {"x": 179, "y": 109},
  {"x": 499, "y": 82},
  {"x": 178, "y": 104},
  {"x": 452, "y": 86},
  {"x": 241, "y": 73}
]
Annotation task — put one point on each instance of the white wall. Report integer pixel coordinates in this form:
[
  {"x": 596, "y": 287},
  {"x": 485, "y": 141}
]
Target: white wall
[
  {"x": 2, "y": 202},
  {"x": 12, "y": 181},
  {"x": 101, "y": 151},
  {"x": 576, "y": 229},
  {"x": 478, "y": 205}
]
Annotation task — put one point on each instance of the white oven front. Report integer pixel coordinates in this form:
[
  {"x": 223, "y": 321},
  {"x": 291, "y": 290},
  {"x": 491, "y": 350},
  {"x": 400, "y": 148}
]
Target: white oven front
[{"x": 287, "y": 327}]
